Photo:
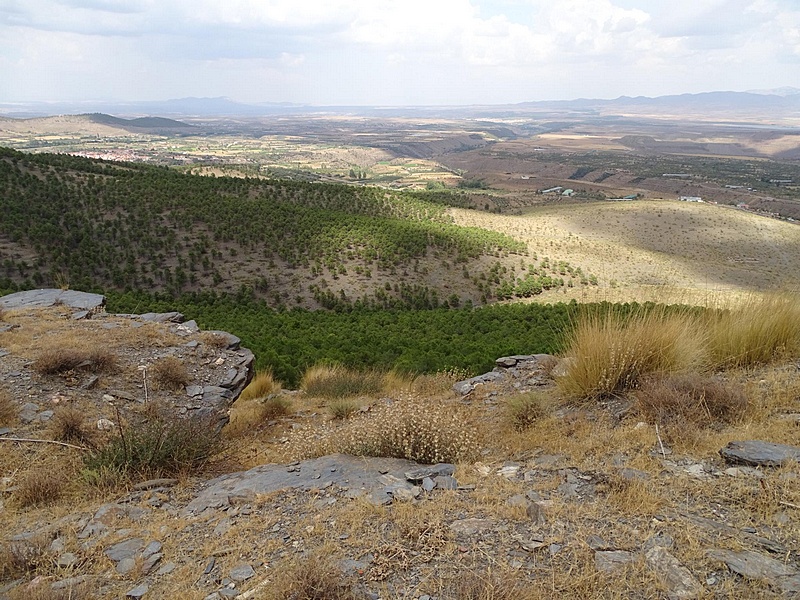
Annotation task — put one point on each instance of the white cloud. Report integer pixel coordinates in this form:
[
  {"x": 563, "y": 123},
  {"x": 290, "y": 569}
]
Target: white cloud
[{"x": 385, "y": 51}]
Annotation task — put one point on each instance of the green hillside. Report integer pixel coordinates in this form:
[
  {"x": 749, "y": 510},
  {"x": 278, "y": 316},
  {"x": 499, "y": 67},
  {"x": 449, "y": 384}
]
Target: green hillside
[{"x": 98, "y": 225}]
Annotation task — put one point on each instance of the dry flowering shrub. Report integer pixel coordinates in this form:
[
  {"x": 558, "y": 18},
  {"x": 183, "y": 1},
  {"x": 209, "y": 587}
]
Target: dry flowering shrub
[{"x": 414, "y": 429}]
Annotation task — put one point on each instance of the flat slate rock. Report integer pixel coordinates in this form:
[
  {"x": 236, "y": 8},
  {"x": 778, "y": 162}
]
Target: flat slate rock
[
  {"x": 378, "y": 477},
  {"x": 679, "y": 581},
  {"x": 50, "y": 297},
  {"x": 760, "y": 454},
  {"x": 753, "y": 565}
]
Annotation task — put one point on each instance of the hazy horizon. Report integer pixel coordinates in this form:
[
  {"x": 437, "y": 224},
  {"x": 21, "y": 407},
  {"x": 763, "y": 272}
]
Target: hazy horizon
[{"x": 383, "y": 53}]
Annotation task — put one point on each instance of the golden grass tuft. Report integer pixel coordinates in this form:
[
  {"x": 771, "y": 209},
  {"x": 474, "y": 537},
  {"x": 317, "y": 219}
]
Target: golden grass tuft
[
  {"x": 259, "y": 402},
  {"x": 214, "y": 340},
  {"x": 170, "y": 373},
  {"x": 39, "y": 487},
  {"x": 343, "y": 408},
  {"x": 610, "y": 353},
  {"x": 331, "y": 382},
  {"x": 18, "y": 558},
  {"x": 316, "y": 577},
  {"x": 413, "y": 429},
  {"x": 490, "y": 585},
  {"x": 757, "y": 331},
  {"x": 261, "y": 386},
  {"x": 525, "y": 409},
  {"x": 61, "y": 359},
  {"x": 9, "y": 411},
  {"x": 69, "y": 425}
]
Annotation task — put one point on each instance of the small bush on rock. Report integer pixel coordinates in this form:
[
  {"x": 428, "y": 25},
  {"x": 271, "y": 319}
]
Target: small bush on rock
[
  {"x": 313, "y": 578},
  {"x": 170, "y": 373},
  {"x": 18, "y": 558},
  {"x": 342, "y": 408}
]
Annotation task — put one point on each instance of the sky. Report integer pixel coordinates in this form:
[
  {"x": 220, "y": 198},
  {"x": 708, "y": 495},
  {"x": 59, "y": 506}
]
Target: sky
[{"x": 393, "y": 52}]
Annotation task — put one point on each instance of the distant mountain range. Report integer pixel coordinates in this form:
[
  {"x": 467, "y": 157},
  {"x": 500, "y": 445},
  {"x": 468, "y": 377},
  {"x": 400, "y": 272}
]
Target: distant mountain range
[{"x": 775, "y": 102}]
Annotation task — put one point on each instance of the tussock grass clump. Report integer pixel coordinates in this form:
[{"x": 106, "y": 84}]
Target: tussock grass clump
[
  {"x": 411, "y": 429},
  {"x": 214, "y": 340},
  {"x": 9, "y": 411},
  {"x": 275, "y": 406},
  {"x": 162, "y": 445},
  {"x": 525, "y": 409},
  {"x": 260, "y": 401},
  {"x": 18, "y": 558},
  {"x": 692, "y": 400},
  {"x": 611, "y": 353},
  {"x": 58, "y": 360},
  {"x": 38, "y": 487},
  {"x": 490, "y": 585},
  {"x": 343, "y": 408},
  {"x": 756, "y": 332},
  {"x": 170, "y": 373},
  {"x": 247, "y": 415},
  {"x": 313, "y": 578},
  {"x": 69, "y": 425},
  {"x": 261, "y": 386},
  {"x": 333, "y": 382},
  {"x": 41, "y": 590}
]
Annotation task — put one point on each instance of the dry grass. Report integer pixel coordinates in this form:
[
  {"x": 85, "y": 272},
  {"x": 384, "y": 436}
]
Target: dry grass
[
  {"x": 261, "y": 386},
  {"x": 214, "y": 340},
  {"x": 758, "y": 331},
  {"x": 60, "y": 359},
  {"x": 258, "y": 403},
  {"x": 490, "y": 585},
  {"x": 334, "y": 382},
  {"x": 69, "y": 425},
  {"x": 413, "y": 429},
  {"x": 161, "y": 445},
  {"x": 610, "y": 353},
  {"x": 17, "y": 558},
  {"x": 343, "y": 408},
  {"x": 682, "y": 403},
  {"x": 9, "y": 411},
  {"x": 170, "y": 373},
  {"x": 313, "y": 578},
  {"x": 39, "y": 487},
  {"x": 525, "y": 409},
  {"x": 41, "y": 590}
]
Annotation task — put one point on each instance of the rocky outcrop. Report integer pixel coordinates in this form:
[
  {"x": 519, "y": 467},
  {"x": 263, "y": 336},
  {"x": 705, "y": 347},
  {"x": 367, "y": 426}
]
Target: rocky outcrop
[
  {"x": 218, "y": 367},
  {"x": 82, "y": 301},
  {"x": 379, "y": 480},
  {"x": 522, "y": 371}
]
